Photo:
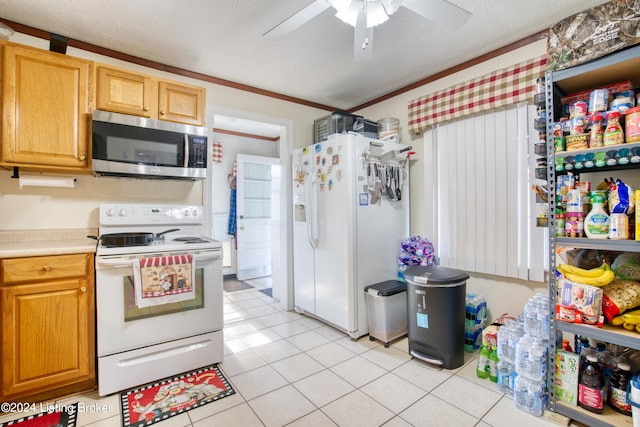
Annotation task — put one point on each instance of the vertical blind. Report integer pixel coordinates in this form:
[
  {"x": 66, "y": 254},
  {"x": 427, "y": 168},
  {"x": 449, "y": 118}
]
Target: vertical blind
[{"x": 481, "y": 209}]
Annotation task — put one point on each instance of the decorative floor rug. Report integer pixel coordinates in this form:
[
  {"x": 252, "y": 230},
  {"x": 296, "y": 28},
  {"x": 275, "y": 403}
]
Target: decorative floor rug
[
  {"x": 232, "y": 285},
  {"x": 63, "y": 416},
  {"x": 157, "y": 401},
  {"x": 267, "y": 292}
]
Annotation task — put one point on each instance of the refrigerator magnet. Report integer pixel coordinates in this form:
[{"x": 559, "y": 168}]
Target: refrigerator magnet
[
  {"x": 318, "y": 148},
  {"x": 330, "y": 184},
  {"x": 364, "y": 199},
  {"x": 335, "y": 159}
]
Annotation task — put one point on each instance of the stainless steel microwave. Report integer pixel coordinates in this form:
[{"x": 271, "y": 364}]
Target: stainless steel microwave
[{"x": 131, "y": 146}]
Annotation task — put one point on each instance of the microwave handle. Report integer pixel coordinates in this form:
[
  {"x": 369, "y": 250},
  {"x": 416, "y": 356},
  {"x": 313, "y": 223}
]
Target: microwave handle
[{"x": 186, "y": 150}]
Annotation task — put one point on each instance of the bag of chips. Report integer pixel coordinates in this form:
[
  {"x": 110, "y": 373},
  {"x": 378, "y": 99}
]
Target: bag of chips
[{"x": 619, "y": 296}]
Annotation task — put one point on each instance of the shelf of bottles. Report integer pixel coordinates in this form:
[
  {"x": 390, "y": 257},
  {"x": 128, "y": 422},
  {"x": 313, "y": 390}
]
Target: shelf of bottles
[{"x": 617, "y": 67}]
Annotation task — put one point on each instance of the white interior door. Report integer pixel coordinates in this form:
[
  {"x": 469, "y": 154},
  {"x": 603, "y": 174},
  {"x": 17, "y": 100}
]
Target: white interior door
[{"x": 257, "y": 204}]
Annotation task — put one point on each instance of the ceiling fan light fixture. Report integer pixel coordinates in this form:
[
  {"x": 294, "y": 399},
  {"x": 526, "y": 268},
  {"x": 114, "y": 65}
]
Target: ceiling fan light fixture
[{"x": 347, "y": 11}]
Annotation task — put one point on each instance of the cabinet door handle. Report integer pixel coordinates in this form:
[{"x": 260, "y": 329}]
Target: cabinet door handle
[
  {"x": 146, "y": 108},
  {"x": 162, "y": 112},
  {"x": 83, "y": 289},
  {"x": 46, "y": 268},
  {"x": 82, "y": 157}
]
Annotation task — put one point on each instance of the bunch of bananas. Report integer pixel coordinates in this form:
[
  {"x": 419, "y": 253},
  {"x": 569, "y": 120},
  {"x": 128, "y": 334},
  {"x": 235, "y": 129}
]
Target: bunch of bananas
[
  {"x": 629, "y": 320},
  {"x": 599, "y": 276}
]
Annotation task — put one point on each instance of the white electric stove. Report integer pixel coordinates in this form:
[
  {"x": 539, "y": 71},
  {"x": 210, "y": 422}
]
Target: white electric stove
[{"x": 137, "y": 344}]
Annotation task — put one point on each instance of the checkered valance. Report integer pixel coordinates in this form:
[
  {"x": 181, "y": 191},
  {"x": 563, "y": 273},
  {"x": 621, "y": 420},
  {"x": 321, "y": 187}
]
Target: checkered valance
[{"x": 503, "y": 87}]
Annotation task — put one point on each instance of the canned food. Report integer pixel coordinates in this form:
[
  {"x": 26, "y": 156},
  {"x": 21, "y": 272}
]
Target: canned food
[
  {"x": 577, "y": 125},
  {"x": 578, "y": 109}
]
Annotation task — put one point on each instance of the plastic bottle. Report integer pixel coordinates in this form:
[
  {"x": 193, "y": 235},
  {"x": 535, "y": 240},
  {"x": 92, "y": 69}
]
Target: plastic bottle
[
  {"x": 620, "y": 377},
  {"x": 521, "y": 396},
  {"x": 613, "y": 133},
  {"x": 604, "y": 360},
  {"x": 596, "y": 137},
  {"x": 482, "y": 371},
  {"x": 619, "y": 226},
  {"x": 493, "y": 365},
  {"x": 505, "y": 377},
  {"x": 537, "y": 396},
  {"x": 591, "y": 386},
  {"x": 596, "y": 224}
]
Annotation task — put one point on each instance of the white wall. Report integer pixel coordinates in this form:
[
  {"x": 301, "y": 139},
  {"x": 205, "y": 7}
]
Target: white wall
[
  {"x": 46, "y": 208},
  {"x": 503, "y": 295}
]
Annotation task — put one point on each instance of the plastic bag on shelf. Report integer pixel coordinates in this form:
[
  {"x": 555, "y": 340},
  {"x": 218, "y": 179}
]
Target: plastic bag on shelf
[
  {"x": 627, "y": 266},
  {"x": 619, "y": 296}
]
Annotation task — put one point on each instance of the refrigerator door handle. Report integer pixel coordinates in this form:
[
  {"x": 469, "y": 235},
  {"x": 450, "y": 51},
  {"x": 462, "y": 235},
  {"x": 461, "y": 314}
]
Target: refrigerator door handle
[{"x": 312, "y": 222}]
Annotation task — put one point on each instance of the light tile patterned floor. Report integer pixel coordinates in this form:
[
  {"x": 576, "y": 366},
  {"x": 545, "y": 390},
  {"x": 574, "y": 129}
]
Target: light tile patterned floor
[{"x": 292, "y": 370}]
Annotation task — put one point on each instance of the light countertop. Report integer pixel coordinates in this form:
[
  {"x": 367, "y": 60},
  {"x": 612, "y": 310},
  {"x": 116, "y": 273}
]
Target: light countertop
[{"x": 28, "y": 243}]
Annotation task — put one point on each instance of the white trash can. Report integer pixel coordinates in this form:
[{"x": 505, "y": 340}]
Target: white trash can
[{"x": 387, "y": 310}]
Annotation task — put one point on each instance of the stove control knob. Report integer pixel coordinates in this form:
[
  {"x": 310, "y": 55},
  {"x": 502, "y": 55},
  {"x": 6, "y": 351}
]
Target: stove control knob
[
  {"x": 111, "y": 212},
  {"x": 195, "y": 212},
  {"x": 185, "y": 212},
  {"x": 122, "y": 212}
]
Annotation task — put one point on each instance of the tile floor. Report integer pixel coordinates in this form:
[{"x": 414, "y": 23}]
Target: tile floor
[{"x": 292, "y": 370}]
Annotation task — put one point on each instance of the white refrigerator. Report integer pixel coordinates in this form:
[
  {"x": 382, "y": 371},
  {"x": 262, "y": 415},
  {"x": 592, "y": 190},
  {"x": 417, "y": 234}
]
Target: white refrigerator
[{"x": 351, "y": 212}]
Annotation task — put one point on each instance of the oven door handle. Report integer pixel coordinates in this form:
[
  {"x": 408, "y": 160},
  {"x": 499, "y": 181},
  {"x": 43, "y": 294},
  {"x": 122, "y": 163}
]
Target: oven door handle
[{"x": 123, "y": 263}]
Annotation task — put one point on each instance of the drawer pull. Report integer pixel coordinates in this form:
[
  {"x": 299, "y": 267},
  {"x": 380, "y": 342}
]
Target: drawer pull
[
  {"x": 83, "y": 289},
  {"x": 46, "y": 268}
]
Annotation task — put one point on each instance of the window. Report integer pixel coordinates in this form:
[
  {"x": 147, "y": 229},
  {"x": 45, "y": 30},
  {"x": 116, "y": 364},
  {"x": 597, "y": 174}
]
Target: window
[{"x": 478, "y": 190}]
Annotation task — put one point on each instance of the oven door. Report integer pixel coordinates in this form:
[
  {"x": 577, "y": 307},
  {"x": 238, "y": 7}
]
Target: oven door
[{"x": 122, "y": 326}]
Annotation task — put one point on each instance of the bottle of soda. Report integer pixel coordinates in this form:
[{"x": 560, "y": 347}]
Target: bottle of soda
[
  {"x": 483, "y": 362},
  {"x": 591, "y": 386},
  {"x": 493, "y": 365},
  {"x": 620, "y": 377}
]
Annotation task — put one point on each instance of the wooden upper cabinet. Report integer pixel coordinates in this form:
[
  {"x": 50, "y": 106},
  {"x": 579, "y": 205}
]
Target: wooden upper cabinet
[
  {"x": 46, "y": 99},
  {"x": 124, "y": 92},
  {"x": 180, "y": 103},
  {"x": 127, "y": 92}
]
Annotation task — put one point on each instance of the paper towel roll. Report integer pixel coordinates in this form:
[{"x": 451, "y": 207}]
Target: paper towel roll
[{"x": 46, "y": 181}]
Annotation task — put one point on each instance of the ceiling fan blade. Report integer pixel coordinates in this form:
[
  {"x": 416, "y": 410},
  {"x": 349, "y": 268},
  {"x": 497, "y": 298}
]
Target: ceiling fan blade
[
  {"x": 439, "y": 11},
  {"x": 362, "y": 37},
  {"x": 297, "y": 19}
]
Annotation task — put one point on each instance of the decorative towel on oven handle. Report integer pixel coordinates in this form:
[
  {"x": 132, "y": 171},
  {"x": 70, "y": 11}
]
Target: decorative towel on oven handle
[{"x": 163, "y": 279}]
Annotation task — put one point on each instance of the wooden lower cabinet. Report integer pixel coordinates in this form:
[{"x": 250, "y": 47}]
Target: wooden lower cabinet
[{"x": 48, "y": 329}]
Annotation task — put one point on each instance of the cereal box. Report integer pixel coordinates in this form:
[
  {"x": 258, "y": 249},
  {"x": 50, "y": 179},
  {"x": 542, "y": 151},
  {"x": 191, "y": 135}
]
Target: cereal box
[
  {"x": 579, "y": 303},
  {"x": 567, "y": 369}
]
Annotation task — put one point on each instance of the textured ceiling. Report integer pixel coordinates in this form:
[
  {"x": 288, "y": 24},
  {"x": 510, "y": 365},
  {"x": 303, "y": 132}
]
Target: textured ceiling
[{"x": 223, "y": 38}]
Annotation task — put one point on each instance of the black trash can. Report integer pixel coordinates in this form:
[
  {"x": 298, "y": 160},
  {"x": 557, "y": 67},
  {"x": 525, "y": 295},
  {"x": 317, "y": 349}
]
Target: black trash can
[{"x": 436, "y": 313}]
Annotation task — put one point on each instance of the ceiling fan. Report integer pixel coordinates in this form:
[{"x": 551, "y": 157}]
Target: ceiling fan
[{"x": 363, "y": 15}]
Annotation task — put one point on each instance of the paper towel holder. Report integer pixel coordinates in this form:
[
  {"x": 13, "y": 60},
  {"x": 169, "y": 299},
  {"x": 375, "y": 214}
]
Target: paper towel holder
[{"x": 43, "y": 181}]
